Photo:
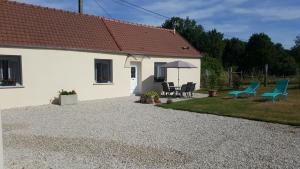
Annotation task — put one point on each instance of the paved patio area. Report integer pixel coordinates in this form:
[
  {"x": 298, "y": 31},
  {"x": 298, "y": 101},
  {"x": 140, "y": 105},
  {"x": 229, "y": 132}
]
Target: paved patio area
[
  {"x": 176, "y": 99},
  {"x": 118, "y": 133}
]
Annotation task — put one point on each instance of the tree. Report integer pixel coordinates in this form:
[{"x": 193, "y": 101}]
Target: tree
[
  {"x": 187, "y": 28},
  {"x": 295, "y": 52},
  {"x": 297, "y": 41},
  {"x": 233, "y": 52},
  {"x": 282, "y": 63},
  {"x": 259, "y": 51},
  {"x": 211, "y": 65},
  {"x": 212, "y": 43}
]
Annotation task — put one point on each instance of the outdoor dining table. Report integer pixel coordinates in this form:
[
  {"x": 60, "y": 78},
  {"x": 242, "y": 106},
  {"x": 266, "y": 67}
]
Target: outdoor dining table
[{"x": 177, "y": 90}]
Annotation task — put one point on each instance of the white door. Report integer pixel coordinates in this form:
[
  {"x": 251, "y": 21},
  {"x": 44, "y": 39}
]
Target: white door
[{"x": 134, "y": 75}]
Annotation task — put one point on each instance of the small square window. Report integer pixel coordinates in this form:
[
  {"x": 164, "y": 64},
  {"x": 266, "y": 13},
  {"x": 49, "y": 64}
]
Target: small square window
[
  {"x": 133, "y": 72},
  {"x": 10, "y": 71},
  {"x": 160, "y": 73},
  {"x": 103, "y": 71}
]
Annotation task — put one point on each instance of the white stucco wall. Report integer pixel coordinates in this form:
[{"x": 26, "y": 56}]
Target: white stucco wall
[{"x": 46, "y": 71}]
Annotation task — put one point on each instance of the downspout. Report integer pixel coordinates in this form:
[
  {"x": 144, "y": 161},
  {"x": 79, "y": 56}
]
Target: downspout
[{"x": 1, "y": 143}]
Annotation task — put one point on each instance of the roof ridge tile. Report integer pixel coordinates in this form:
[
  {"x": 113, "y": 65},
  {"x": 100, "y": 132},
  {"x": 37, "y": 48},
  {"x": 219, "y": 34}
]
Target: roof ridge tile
[
  {"x": 48, "y": 8},
  {"x": 137, "y": 24}
]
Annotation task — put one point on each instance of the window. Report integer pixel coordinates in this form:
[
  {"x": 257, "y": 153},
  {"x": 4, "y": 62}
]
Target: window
[
  {"x": 160, "y": 73},
  {"x": 10, "y": 71},
  {"x": 103, "y": 71},
  {"x": 133, "y": 72}
]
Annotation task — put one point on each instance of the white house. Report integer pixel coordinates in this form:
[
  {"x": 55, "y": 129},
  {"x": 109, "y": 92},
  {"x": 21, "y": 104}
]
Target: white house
[{"x": 45, "y": 50}]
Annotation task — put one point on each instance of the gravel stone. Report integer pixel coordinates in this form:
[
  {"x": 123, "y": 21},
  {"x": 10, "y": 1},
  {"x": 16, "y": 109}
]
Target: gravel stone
[{"x": 119, "y": 133}]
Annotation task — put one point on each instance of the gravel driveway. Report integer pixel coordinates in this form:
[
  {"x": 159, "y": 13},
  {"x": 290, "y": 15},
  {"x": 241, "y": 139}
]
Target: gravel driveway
[{"x": 118, "y": 133}]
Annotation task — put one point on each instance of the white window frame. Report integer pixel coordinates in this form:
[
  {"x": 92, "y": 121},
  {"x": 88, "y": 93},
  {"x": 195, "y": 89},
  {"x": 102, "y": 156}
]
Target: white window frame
[
  {"x": 158, "y": 71},
  {"x": 17, "y": 59},
  {"x": 111, "y": 71}
]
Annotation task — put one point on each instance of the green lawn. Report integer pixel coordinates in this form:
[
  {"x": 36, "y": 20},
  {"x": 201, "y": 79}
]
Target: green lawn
[{"x": 254, "y": 108}]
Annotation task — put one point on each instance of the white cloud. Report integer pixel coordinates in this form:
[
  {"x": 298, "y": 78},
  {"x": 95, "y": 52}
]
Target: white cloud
[
  {"x": 195, "y": 9},
  {"x": 228, "y": 27},
  {"x": 272, "y": 13}
]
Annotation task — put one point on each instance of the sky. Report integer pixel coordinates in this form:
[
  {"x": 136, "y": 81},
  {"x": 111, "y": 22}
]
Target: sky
[{"x": 280, "y": 19}]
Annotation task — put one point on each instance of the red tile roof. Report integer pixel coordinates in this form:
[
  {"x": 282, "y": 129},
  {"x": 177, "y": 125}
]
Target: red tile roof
[
  {"x": 34, "y": 26},
  {"x": 141, "y": 39},
  {"x": 28, "y": 25}
]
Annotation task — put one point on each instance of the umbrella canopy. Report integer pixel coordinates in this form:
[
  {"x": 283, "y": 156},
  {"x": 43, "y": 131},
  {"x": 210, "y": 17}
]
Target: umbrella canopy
[{"x": 179, "y": 64}]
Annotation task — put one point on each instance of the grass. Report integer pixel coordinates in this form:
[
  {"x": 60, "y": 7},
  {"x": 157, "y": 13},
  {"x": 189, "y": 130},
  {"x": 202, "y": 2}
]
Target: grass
[{"x": 253, "y": 108}]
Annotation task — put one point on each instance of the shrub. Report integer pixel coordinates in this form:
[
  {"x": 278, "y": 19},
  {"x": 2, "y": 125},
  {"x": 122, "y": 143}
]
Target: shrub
[
  {"x": 212, "y": 81},
  {"x": 150, "y": 97},
  {"x": 211, "y": 65},
  {"x": 151, "y": 93},
  {"x": 222, "y": 81},
  {"x": 298, "y": 79},
  {"x": 64, "y": 92},
  {"x": 236, "y": 81}
]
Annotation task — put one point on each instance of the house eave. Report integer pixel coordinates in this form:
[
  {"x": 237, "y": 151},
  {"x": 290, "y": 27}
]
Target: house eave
[{"x": 97, "y": 51}]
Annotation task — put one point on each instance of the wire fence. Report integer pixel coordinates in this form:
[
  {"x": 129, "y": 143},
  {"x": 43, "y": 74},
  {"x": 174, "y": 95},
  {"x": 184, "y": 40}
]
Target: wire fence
[{"x": 229, "y": 78}]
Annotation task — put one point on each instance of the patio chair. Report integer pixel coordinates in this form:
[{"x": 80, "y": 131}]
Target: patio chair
[
  {"x": 193, "y": 86},
  {"x": 165, "y": 89},
  {"x": 190, "y": 88},
  {"x": 171, "y": 86},
  {"x": 183, "y": 89},
  {"x": 280, "y": 90},
  {"x": 250, "y": 90}
]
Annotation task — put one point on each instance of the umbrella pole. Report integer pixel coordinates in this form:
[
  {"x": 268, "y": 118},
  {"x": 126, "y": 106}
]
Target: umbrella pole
[{"x": 178, "y": 77}]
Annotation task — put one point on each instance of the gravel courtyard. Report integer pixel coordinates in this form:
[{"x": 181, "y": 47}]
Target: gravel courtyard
[{"x": 118, "y": 133}]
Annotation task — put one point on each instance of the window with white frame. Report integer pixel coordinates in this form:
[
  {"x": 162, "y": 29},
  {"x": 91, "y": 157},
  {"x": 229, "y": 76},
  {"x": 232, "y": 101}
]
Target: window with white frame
[
  {"x": 10, "y": 71},
  {"x": 160, "y": 73},
  {"x": 103, "y": 71}
]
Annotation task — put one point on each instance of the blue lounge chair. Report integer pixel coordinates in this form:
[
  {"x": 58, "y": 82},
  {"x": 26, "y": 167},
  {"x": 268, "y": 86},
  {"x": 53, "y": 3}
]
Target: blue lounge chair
[
  {"x": 251, "y": 89},
  {"x": 280, "y": 90}
]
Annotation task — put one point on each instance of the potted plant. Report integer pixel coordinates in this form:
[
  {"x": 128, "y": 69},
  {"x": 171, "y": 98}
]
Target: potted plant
[
  {"x": 150, "y": 97},
  {"x": 212, "y": 83},
  {"x": 156, "y": 99},
  {"x": 169, "y": 101},
  {"x": 8, "y": 82},
  {"x": 67, "y": 97}
]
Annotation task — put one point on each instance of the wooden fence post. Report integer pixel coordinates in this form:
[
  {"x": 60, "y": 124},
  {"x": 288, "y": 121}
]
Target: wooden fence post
[
  {"x": 230, "y": 76},
  {"x": 298, "y": 76},
  {"x": 266, "y": 75}
]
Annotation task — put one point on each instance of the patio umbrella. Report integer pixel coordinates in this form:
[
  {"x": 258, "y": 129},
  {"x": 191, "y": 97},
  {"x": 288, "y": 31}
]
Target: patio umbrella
[{"x": 179, "y": 64}]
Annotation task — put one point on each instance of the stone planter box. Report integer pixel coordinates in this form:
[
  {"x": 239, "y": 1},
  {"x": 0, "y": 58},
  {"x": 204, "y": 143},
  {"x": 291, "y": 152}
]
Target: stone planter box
[{"x": 68, "y": 99}]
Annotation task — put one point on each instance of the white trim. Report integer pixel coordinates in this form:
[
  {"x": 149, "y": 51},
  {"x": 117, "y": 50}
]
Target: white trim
[
  {"x": 1, "y": 71},
  {"x": 1, "y": 143},
  {"x": 103, "y": 84},
  {"x": 11, "y": 87},
  {"x": 138, "y": 67}
]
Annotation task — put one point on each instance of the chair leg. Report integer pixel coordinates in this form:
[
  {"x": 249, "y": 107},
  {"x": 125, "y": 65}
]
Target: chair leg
[{"x": 286, "y": 96}]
